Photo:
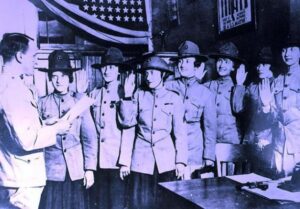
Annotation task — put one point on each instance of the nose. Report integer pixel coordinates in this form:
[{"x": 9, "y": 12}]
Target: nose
[
  {"x": 148, "y": 76},
  {"x": 221, "y": 63},
  {"x": 287, "y": 52}
]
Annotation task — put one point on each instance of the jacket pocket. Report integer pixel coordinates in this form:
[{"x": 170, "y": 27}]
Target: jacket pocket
[
  {"x": 193, "y": 112},
  {"x": 28, "y": 158},
  {"x": 166, "y": 115},
  {"x": 296, "y": 95}
]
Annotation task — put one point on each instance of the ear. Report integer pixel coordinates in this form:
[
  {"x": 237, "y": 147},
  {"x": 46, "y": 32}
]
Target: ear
[{"x": 19, "y": 57}]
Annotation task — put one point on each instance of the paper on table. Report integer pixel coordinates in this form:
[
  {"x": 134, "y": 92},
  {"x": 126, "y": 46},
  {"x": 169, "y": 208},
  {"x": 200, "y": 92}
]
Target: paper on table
[
  {"x": 82, "y": 105},
  {"x": 273, "y": 192},
  {"x": 251, "y": 177}
]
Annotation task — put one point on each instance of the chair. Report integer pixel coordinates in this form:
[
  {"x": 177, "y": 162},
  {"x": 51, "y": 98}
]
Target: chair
[{"x": 232, "y": 157}]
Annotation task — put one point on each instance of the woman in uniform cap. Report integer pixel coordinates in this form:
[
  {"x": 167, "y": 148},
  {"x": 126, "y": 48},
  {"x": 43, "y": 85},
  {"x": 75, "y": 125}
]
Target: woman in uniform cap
[
  {"x": 259, "y": 127},
  {"x": 109, "y": 178},
  {"x": 71, "y": 162},
  {"x": 153, "y": 155},
  {"x": 282, "y": 101}
]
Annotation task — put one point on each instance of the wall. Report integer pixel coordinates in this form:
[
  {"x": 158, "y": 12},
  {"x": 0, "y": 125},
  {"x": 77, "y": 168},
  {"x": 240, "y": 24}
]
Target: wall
[{"x": 199, "y": 24}]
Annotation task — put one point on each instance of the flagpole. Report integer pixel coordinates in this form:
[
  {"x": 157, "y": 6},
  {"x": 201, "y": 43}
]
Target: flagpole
[{"x": 149, "y": 22}]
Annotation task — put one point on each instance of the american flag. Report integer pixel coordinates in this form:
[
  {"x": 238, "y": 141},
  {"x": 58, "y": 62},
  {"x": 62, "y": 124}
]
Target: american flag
[{"x": 117, "y": 21}]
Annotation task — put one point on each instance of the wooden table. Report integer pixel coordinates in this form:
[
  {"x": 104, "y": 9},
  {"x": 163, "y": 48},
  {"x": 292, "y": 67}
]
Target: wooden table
[{"x": 214, "y": 193}]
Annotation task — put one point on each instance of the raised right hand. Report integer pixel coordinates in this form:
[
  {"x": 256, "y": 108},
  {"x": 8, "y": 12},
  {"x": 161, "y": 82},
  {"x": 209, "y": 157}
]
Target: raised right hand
[{"x": 129, "y": 85}]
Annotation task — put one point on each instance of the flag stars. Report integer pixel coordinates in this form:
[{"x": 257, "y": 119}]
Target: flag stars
[
  {"x": 141, "y": 19},
  {"x": 86, "y": 7},
  {"x": 126, "y": 18},
  {"x": 117, "y": 1},
  {"x": 118, "y": 9},
  {"x": 102, "y": 8},
  {"x": 133, "y": 18},
  {"x": 109, "y": 1},
  {"x": 94, "y": 8},
  {"x": 118, "y": 18},
  {"x": 110, "y": 17},
  {"x": 124, "y": 2},
  {"x": 94, "y": 1},
  {"x": 103, "y": 17},
  {"x": 140, "y": 10},
  {"x": 139, "y": 2},
  {"x": 101, "y": 1},
  {"x": 132, "y": 2},
  {"x": 110, "y": 9},
  {"x": 95, "y": 15},
  {"x": 132, "y": 10},
  {"x": 125, "y": 10}
]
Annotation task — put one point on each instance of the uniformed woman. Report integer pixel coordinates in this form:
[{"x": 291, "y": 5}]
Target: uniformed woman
[
  {"x": 153, "y": 155},
  {"x": 227, "y": 61},
  {"x": 71, "y": 162},
  {"x": 109, "y": 184}
]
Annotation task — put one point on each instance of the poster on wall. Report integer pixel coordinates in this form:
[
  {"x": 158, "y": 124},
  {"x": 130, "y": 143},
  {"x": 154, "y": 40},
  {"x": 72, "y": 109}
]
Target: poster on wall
[{"x": 235, "y": 16}]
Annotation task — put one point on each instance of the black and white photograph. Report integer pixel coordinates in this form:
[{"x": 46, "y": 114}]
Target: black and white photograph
[{"x": 149, "y": 104}]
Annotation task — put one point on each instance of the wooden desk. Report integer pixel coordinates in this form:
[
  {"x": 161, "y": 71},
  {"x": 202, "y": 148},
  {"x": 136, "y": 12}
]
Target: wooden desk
[{"x": 214, "y": 193}]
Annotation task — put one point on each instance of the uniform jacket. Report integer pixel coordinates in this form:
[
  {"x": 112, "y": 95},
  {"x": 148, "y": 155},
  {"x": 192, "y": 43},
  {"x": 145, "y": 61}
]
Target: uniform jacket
[
  {"x": 286, "y": 110},
  {"x": 200, "y": 110},
  {"x": 75, "y": 151},
  {"x": 22, "y": 136},
  {"x": 260, "y": 124},
  {"x": 227, "y": 124},
  {"x": 157, "y": 114},
  {"x": 110, "y": 133}
]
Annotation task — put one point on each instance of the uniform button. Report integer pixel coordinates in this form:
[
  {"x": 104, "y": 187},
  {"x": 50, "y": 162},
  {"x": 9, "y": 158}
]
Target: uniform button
[
  {"x": 289, "y": 74},
  {"x": 154, "y": 119},
  {"x": 218, "y": 104},
  {"x": 186, "y": 97},
  {"x": 65, "y": 150},
  {"x": 102, "y": 114},
  {"x": 219, "y": 93},
  {"x": 188, "y": 85},
  {"x": 102, "y": 127},
  {"x": 153, "y": 132},
  {"x": 155, "y": 106},
  {"x": 284, "y": 97},
  {"x": 107, "y": 91},
  {"x": 28, "y": 161},
  {"x": 283, "y": 110},
  {"x": 153, "y": 145},
  {"x": 102, "y": 140},
  {"x": 62, "y": 100},
  {"x": 285, "y": 85},
  {"x": 104, "y": 102},
  {"x": 64, "y": 138}
]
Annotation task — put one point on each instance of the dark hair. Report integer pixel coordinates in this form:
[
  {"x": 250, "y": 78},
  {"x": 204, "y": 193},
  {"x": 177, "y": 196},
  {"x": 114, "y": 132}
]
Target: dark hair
[
  {"x": 70, "y": 74},
  {"x": 12, "y": 43}
]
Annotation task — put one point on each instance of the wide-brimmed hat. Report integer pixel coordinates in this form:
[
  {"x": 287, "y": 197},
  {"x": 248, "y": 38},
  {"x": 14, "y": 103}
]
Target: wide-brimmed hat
[
  {"x": 113, "y": 56},
  {"x": 190, "y": 49},
  {"x": 156, "y": 63},
  {"x": 227, "y": 50},
  {"x": 291, "y": 40},
  {"x": 265, "y": 55},
  {"x": 59, "y": 61}
]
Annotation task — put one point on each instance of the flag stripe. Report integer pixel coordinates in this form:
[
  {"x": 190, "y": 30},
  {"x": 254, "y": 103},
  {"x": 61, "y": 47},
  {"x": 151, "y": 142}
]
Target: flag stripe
[
  {"x": 96, "y": 27},
  {"x": 97, "y": 22},
  {"x": 96, "y": 33}
]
